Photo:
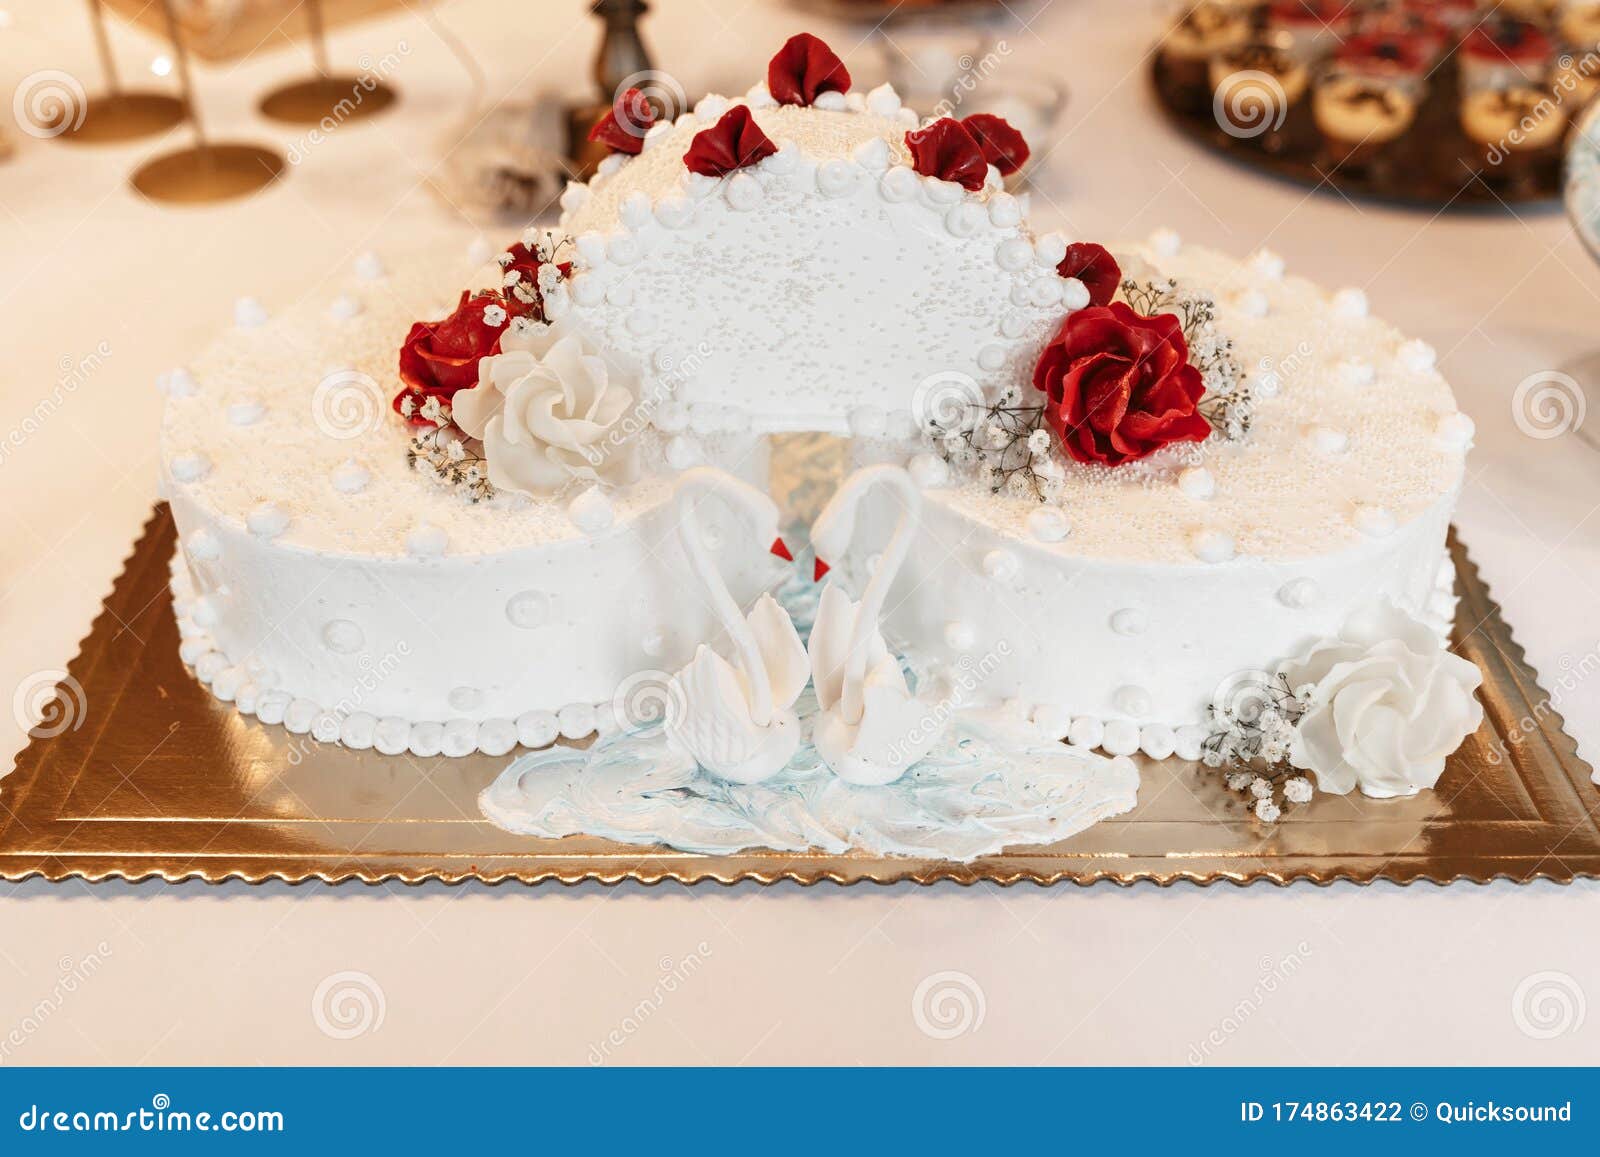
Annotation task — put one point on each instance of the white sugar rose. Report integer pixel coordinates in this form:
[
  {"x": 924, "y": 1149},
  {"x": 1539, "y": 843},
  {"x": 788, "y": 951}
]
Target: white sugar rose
[
  {"x": 1388, "y": 704},
  {"x": 548, "y": 411}
]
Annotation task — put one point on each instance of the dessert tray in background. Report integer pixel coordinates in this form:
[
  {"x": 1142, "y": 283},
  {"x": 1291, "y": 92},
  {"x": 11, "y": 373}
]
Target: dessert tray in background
[
  {"x": 795, "y": 502},
  {"x": 1445, "y": 103}
]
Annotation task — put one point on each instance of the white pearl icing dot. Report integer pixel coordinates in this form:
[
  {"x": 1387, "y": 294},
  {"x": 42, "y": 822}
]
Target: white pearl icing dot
[
  {"x": 898, "y": 184},
  {"x": 1350, "y": 304},
  {"x": 249, "y": 313},
  {"x": 591, "y": 511},
  {"x": 1050, "y": 250},
  {"x": 1048, "y": 524},
  {"x": 576, "y": 720},
  {"x": 1157, "y": 740},
  {"x": 1417, "y": 355},
  {"x": 358, "y": 731},
  {"x": 1326, "y": 440},
  {"x": 426, "y": 540},
  {"x": 1001, "y": 565},
  {"x": 369, "y": 266},
  {"x": 1074, "y": 293},
  {"x": 177, "y": 383},
  {"x": 1131, "y": 700},
  {"x": 928, "y": 471},
  {"x": 537, "y": 728},
  {"x": 1212, "y": 545},
  {"x": 829, "y": 101},
  {"x": 1189, "y": 741},
  {"x": 1253, "y": 303},
  {"x": 1373, "y": 520},
  {"x": 392, "y": 735},
  {"x": 528, "y": 609},
  {"x": 1298, "y": 594},
  {"x": 190, "y": 467},
  {"x": 1014, "y": 254},
  {"x": 1196, "y": 482},
  {"x": 1267, "y": 263},
  {"x": 343, "y": 636},
  {"x": 960, "y": 636},
  {"x": 883, "y": 101},
  {"x": 427, "y": 739},
  {"x": 245, "y": 412},
  {"x": 1165, "y": 242},
  {"x": 460, "y": 738},
  {"x": 350, "y": 477},
  {"x": 1086, "y": 731},
  {"x": 872, "y": 154},
  {"x": 1130, "y": 621},
  {"x": 1455, "y": 431},
  {"x": 1121, "y": 737},
  {"x": 1051, "y": 721},
  {"x": 267, "y": 520},
  {"x": 202, "y": 546},
  {"x": 496, "y": 736}
]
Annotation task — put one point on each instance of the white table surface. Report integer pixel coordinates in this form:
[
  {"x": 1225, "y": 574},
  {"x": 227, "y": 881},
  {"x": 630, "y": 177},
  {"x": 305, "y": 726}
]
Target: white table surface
[{"x": 197, "y": 974}]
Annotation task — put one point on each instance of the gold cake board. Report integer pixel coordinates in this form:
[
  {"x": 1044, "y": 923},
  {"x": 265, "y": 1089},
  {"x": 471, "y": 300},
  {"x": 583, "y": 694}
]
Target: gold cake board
[{"x": 157, "y": 779}]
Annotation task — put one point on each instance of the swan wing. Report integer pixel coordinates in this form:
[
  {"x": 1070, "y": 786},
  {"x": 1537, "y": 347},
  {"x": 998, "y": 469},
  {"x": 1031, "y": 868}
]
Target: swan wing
[
  {"x": 712, "y": 712},
  {"x": 897, "y": 729},
  {"x": 782, "y": 652},
  {"x": 830, "y": 644}
]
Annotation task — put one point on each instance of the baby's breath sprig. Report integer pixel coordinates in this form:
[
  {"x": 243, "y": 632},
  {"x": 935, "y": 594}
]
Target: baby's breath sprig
[
  {"x": 444, "y": 453},
  {"x": 1252, "y": 732},
  {"x": 1229, "y": 400},
  {"x": 1007, "y": 442}
]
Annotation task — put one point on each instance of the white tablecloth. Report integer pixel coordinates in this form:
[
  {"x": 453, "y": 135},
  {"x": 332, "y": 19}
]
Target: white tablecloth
[{"x": 196, "y": 974}]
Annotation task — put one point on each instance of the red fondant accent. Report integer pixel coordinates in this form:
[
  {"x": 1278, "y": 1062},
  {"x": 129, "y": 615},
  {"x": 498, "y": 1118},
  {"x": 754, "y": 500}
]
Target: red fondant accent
[
  {"x": 623, "y": 128},
  {"x": 781, "y": 549},
  {"x": 1119, "y": 385},
  {"x": 1002, "y": 145},
  {"x": 821, "y": 568},
  {"x": 946, "y": 150},
  {"x": 732, "y": 143},
  {"x": 1094, "y": 266},
  {"x": 803, "y": 69}
]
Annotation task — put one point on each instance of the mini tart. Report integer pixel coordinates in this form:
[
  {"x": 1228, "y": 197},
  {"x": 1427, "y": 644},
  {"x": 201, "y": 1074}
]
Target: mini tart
[
  {"x": 1293, "y": 77},
  {"x": 1501, "y": 53},
  {"x": 1573, "y": 86},
  {"x": 1513, "y": 120},
  {"x": 1358, "y": 110},
  {"x": 1206, "y": 30},
  {"x": 1580, "y": 27},
  {"x": 1402, "y": 58}
]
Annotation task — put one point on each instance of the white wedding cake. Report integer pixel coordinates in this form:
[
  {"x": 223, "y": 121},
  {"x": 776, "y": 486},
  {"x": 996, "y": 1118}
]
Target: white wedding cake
[{"x": 1159, "y": 500}]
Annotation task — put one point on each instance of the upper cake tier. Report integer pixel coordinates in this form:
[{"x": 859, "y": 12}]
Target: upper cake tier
[{"x": 829, "y": 286}]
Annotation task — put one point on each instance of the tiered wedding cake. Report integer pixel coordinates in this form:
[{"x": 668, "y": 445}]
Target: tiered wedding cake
[{"x": 1159, "y": 500}]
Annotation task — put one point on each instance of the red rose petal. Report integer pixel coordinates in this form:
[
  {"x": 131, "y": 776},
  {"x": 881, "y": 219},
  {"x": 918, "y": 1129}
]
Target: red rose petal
[
  {"x": 1002, "y": 145},
  {"x": 438, "y": 358},
  {"x": 804, "y": 68},
  {"x": 1094, "y": 266},
  {"x": 946, "y": 150},
  {"x": 732, "y": 143},
  {"x": 622, "y": 129},
  {"x": 1119, "y": 385}
]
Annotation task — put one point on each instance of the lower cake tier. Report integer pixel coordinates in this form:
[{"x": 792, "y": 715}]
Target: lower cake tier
[
  {"x": 447, "y": 652},
  {"x": 1125, "y": 655}
]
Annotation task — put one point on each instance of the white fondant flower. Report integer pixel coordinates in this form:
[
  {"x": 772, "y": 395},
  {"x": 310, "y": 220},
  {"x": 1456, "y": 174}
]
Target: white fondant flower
[
  {"x": 548, "y": 411},
  {"x": 1388, "y": 704}
]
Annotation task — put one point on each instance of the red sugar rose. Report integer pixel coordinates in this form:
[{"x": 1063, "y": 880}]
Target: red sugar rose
[
  {"x": 1094, "y": 266},
  {"x": 1002, "y": 145},
  {"x": 440, "y": 357},
  {"x": 1119, "y": 385},
  {"x": 803, "y": 69},
  {"x": 623, "y": 128},
  {"x": 732, "y": 143},
  {"x": 946, "y": 150}
]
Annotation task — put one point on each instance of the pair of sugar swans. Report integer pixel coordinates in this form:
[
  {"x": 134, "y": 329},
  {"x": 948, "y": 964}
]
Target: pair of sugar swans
[{"x": 737, "y": 718}]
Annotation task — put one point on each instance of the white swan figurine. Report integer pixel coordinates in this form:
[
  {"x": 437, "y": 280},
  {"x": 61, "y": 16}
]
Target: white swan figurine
[
  {"x": 871, "y": 729},
  {"x": 737, "y": 722}
]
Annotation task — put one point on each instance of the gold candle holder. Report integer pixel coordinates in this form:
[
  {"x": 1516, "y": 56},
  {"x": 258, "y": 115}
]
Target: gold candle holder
[
  {"x": 120, "y": 114},
  {"x": 207, "y": 171},
  {"x": 342, "y": 97}
]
